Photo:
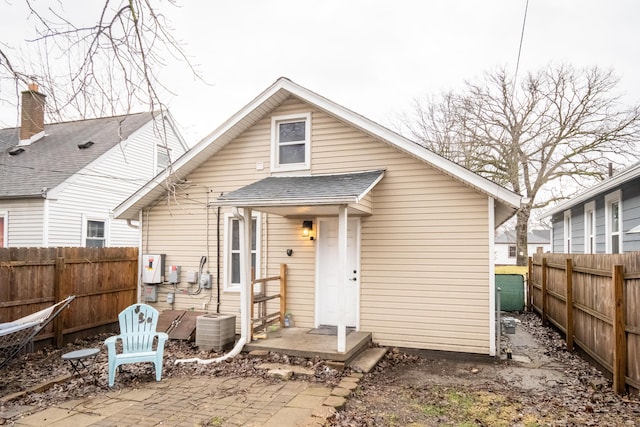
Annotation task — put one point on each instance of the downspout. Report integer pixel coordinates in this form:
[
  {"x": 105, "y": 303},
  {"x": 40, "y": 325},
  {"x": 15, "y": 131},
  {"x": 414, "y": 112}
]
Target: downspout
[
  {"x": 494, "y": 327},
  {"x": 245, "y": 285},
  {"x": 218, "y": 258}
]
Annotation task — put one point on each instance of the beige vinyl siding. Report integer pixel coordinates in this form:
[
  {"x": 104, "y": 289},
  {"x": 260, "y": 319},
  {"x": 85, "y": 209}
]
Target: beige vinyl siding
[{"x": 424, "y": 279}]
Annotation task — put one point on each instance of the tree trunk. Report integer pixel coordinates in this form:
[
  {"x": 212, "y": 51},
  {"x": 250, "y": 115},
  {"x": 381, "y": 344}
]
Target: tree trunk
[{"x": 522, "y": 254}]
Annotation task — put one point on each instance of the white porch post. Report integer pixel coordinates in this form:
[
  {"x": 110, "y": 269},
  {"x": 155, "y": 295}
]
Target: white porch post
[
  {"x": 245, "y": 272},
  {"x": 342, "y": 277}
]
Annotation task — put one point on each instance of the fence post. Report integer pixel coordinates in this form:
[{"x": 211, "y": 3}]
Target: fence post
[
  {"x": 569, "y": 302},
  {"x": 529, "y": 285},
  {"x": 544, "y": 291},
  {"x": 619, "y": 334},
  {"x": 58, "y": 322}
]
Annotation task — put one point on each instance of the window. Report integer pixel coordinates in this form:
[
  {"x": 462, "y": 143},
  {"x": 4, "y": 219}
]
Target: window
[
  {"x": 232, "y": 254},
  {"x": 512, "y": 251},
  {"x": 95, "y": 234},
  {"x": 590, "y": 228},
  {"x": 3, "y": 229},
  {"x": 613, "y": 222},
  {"x": 162, "y": 158},
  {"x": 567, "y": 232},
  {"x": 290, "y": 142}
]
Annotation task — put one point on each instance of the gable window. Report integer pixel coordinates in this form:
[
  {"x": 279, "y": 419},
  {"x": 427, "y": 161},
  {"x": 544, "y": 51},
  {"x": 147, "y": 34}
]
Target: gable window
[
  {"x": 290, "y": 142},
  {"x": 512, "y": 251},
  {"x": 3, "y": 229},
  {"x": 95, "y": 234},
  {"x": 567, "y": 232},
  {"x": 613, "y": 222},
  {"x": 162, "y": 158},
  {"x": 232, "y": 253},
  {"x": 590, "y": 228}
]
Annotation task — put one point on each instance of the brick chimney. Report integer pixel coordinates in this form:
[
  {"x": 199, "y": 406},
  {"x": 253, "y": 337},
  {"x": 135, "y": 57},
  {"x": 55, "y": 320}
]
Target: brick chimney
[{"x": 32, "y": 117}]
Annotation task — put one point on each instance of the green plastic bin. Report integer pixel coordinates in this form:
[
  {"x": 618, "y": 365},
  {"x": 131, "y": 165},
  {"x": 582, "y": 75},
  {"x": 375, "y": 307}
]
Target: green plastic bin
[{"x": 511, "y": 291}]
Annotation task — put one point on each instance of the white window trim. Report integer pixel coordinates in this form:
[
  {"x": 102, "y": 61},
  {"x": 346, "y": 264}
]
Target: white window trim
[
  {"x": 235, "y": 287},
  {"x": 567, "y": 238},
  {"x": 275, "y": 162},
  {"x": 610, "y": 198},
  {"x": 85, "y": 219},
  {"x": 5, "y": 233},
  {"x": 590, "y": 208}
]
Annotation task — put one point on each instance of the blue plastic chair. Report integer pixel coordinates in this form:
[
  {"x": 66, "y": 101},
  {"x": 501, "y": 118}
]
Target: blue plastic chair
[{"x": 140, "y": 341}]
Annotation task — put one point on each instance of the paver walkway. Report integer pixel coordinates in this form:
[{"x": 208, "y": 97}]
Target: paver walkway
[{"x": 198, "y": 402}]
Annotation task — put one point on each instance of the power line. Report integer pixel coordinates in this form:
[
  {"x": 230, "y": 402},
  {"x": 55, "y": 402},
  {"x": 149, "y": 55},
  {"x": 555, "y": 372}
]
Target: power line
[{"x": 524, "y": 22}]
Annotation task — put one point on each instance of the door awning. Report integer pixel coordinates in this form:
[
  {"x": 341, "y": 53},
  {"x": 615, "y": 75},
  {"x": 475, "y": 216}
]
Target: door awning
[{"x": 298, "y": 196}]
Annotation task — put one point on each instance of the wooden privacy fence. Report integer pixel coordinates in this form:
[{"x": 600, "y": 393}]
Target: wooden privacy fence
[
  {"x": 595, "y": 301},
  {"x": 104, "y": 281}
]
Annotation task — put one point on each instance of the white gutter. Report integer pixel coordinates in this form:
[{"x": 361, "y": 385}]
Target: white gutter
[{"x": 245, "y": 288}]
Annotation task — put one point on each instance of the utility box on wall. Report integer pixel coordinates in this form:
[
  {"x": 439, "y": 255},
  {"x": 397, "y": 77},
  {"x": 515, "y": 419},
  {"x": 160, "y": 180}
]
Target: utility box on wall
[
  {"x": 150, "y": 293},
  {"x": 152, "y": 269}
]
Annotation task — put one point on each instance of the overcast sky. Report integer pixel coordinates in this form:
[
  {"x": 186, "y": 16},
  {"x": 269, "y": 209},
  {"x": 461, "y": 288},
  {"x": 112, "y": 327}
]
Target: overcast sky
[{"x": 374, "y": 56}]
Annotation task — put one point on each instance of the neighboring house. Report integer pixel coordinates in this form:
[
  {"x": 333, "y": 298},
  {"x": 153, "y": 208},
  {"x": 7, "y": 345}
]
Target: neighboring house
[
  {"x": 59, "y": 182},
  {"x": 398, "y": 240},
  {"x": 603, "y": 219},
  {"x": 506, "y": 249}
]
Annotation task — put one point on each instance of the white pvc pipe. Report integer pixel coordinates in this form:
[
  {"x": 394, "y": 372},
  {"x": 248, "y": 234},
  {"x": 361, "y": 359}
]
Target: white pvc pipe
[{"x": 234, "y": 352}]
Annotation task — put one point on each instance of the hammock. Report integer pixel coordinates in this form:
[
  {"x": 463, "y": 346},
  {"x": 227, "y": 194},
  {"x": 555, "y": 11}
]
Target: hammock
[{"x": 16, "y": 335}]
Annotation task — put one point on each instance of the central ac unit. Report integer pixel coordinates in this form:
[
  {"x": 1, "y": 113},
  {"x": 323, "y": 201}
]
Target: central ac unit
[{"x": 215, "y": 331}]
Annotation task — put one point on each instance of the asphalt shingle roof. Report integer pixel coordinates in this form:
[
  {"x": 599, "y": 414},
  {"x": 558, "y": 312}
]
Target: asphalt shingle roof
[
  {"x": 305, "y": 188},
  {"x": 55, "y": 157}
]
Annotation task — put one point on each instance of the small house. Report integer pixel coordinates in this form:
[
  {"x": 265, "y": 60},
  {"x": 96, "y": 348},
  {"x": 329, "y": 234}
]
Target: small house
[
  {"x": 59, "y": 182},
  {"x": 376, "y": 232}
]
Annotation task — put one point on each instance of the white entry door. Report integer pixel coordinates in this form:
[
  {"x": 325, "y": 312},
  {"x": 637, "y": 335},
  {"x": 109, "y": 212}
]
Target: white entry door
[{"x": 327, "y": 274}]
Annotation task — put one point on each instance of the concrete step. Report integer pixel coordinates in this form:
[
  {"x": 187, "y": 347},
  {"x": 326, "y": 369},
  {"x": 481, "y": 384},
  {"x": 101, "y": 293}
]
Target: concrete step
[{"x": 367, "y": 359}]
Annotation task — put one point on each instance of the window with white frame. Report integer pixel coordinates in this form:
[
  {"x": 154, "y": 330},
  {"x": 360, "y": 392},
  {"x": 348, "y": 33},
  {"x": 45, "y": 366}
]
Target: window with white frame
[
  {"x": 567, "y": 232},
  {"x": 3, "y": 229},
  {"x": 290, "y": 142},
  {"x": 613, "y": 222},
  {"x": 232, "y": 252},
  {"x": 512, "y": 251},
  {"x": 95, "y": 233},
  {"x": 590, "y": 228}
]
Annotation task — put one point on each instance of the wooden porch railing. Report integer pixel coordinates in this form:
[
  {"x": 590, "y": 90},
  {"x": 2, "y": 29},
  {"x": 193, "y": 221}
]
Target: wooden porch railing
[{"x": 260, "y": 318}]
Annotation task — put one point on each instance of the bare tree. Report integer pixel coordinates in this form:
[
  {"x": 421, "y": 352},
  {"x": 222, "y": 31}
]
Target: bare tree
[
  {"x": 559, "y": 123},
  {"x": 106, "y": 66}
]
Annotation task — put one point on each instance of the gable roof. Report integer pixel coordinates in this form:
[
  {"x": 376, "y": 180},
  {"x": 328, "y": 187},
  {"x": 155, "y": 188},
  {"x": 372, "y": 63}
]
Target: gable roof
[
  {"x": 507, "y": 201},
  {"x": 534, "y": 237},
  {"x": 631, "y": 173},
  {"x": 56, "y": 156}
]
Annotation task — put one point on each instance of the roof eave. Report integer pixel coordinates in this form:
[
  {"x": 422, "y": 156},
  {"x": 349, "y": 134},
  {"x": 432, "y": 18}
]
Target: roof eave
[
  {"x": 248, "y": 203},
  {"x": 613, "y": 182}
]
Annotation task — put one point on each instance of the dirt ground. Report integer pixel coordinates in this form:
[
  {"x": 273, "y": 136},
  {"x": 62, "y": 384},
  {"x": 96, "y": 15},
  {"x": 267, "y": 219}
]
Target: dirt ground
[{"x": 543, "y": 385}]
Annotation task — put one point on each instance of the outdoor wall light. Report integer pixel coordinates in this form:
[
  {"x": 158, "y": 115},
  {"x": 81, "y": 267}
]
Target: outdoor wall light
[{"x": 307, "y": 229}]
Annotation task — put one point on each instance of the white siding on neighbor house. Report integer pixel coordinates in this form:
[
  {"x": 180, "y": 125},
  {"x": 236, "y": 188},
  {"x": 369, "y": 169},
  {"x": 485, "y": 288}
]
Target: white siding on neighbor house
[
  {"x": 24, "y": 220},
  {"x": 425, "y": 258},
  {"x": 502, "y": 252},
  {"x": 101, "y": 186}
]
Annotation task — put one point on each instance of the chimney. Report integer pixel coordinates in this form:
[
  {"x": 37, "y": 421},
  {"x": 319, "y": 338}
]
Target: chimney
[{"x": 32, "y": 117}]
